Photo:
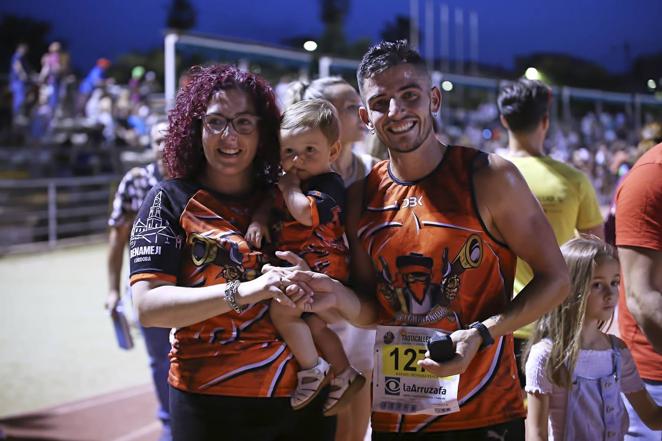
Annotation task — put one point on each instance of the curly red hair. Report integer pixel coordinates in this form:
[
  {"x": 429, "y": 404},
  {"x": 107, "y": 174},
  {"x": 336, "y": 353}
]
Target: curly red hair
[{"x": 183, "y": 153}]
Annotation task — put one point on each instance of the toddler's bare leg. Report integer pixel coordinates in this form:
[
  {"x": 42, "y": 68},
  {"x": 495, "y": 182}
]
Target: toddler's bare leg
[
  {"x": 328, "y": 343},
  {"x": 296, "y": 333}
]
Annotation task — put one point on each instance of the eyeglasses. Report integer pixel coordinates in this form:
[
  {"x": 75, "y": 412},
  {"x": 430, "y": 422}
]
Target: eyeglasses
[{"x": 244, "y": 124}]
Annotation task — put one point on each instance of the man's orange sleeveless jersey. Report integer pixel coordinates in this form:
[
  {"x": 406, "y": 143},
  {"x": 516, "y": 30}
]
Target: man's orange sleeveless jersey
[
  {"x": 321, "y": 244},
  {"x": 193, "y": 237},
  {"x": 439, "y": 268}
]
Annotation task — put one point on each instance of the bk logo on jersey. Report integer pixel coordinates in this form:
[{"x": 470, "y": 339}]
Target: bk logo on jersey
[{"x": 412, "y": 201}]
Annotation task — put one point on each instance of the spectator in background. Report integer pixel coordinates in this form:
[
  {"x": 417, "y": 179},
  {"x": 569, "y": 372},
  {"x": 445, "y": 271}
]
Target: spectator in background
[
  {"x": 129, "y": 197},
  {"x": 50, "y": 76},
  {"x": 93, "y": 80},
  {"x": 576, "y": 373},
  {"x": 282, "y": 91},
  {"x": 149, "y": 84},
  {"x": 651, "y": 135},
  {"x": 19, "y": 75},
  {"x": 639, "y": 241},
  {"x": 105, "y": 117},
  {"x": 135, "y": 82},
  {"x": 566, "y": 194}
]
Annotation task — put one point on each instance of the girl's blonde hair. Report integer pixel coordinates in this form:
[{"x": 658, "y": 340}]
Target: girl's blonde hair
[{"x": 563, "y": 324}]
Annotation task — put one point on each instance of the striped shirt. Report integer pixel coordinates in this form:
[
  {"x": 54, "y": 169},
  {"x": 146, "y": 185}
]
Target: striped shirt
[{"x": 131, "y": 193}]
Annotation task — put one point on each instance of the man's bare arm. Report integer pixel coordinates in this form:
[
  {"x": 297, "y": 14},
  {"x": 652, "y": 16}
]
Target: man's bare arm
[
  {"x": 514, "y": 216},
  {"x": 117, "y": 239},
  {"x": 362, "y": 273},
  {"x": 642, "y": 278}
]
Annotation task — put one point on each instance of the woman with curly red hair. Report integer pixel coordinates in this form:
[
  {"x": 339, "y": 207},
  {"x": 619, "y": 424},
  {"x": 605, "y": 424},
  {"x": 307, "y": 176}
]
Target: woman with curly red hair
[{"x": 192, "y": 270}]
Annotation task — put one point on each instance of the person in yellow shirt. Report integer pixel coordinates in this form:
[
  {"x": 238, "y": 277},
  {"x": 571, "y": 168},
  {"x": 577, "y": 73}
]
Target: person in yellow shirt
[{"x": 565, "y": 193}]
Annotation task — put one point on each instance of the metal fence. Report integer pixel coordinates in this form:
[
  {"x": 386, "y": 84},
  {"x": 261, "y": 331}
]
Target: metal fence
[{"x": 45, "y": 212}]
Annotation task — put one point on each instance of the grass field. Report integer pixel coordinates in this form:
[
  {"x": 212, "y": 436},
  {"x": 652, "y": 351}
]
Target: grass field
[{"x": 56, "y": 340}]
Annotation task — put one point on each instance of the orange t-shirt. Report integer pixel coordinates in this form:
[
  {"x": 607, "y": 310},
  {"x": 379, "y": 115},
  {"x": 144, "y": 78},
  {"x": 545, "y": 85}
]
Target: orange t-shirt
[
  {"x": 639, "y": 224},
  {"x": 193, "y": 237},
  {"x": 439, "y": 268}
]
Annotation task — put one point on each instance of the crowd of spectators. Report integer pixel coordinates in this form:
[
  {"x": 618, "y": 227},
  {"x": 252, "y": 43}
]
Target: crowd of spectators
[
  {"x": 52, "y": 107},
  {"x": 601, "y": 144}
]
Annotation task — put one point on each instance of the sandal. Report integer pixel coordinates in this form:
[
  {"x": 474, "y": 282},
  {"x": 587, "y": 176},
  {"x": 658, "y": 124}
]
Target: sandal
[
  {"x": 311, "y": 382},
  {"x": 342, "y": 389}
]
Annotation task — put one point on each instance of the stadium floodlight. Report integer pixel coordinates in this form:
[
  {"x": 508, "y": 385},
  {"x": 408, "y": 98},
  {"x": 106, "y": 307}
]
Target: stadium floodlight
[
  {"x": 532, "y": 73},
  {"x": 310, "y": 46},
  {"x": 447, "y": 86},
  {"x": 651, "y": 84}
]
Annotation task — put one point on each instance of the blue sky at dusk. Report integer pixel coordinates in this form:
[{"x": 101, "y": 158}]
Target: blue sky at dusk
[{"x": 591, "y": 29}]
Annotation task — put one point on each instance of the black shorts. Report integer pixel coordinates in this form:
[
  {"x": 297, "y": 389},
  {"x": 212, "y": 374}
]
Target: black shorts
[
  {"x": 509, "y": 431},
  {"x": 197, "y": 417}
]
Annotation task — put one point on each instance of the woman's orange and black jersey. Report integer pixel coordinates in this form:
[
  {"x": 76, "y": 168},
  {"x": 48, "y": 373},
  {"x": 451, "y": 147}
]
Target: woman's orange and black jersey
[
  {"x": 192, "y": 237},
  {"x": 438, "y": 267},
  {"x": 321, "y": 244}
]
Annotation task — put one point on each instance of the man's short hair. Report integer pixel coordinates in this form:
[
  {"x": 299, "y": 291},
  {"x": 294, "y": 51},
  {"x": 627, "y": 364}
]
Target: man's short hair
[
  {"x": 524, "y": 103},
  {"x": 385, "y": 55},
  {"x": 313, "y": 114}
]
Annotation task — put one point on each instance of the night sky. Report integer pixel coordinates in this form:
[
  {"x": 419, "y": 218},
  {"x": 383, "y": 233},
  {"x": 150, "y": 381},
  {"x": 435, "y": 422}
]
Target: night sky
[{"x": 591, "y": 29}]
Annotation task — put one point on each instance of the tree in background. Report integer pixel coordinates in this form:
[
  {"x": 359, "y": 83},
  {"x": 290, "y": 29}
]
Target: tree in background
[
  {"x": 398, "y": 29},
  {"x": 647, "y": 67},
  {"x": 333, "y": 39},
  {"x": 568, "y": 70},
  {"x": 181, "y": 15}
]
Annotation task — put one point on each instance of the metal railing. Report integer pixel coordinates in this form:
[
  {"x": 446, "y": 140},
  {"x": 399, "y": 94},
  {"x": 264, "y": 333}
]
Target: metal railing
[{"x": 46, "y": 212}]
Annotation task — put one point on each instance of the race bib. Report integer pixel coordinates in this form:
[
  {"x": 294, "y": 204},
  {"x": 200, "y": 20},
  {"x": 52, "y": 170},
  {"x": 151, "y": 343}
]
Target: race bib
[{"x": 399, "y": 385}]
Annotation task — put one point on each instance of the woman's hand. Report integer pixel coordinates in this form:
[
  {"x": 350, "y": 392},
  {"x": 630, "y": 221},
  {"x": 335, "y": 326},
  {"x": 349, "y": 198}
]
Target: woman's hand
[{"x": 274, "y": 285}]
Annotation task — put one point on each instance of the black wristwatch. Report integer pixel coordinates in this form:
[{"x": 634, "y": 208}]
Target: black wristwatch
[{"x": 484, "y": 334}]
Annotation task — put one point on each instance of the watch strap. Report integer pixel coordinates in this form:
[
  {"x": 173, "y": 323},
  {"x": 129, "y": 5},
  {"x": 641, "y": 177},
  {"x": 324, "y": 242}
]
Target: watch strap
[{"x": 484, "y": 334}]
